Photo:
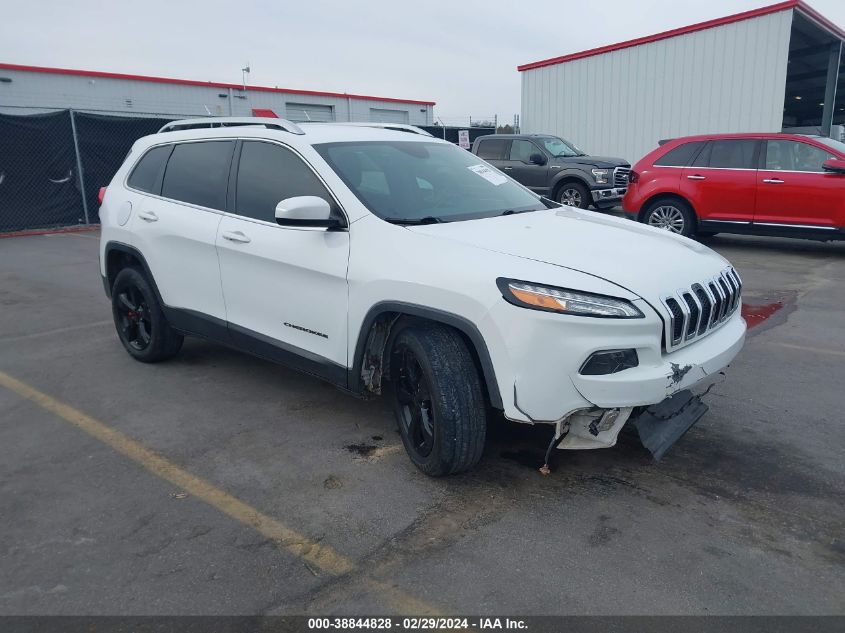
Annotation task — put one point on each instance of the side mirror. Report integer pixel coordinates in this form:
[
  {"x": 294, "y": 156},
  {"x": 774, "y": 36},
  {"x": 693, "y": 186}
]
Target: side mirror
[
  {"x": 305, "y": 211},
  {"x": 537, "y": 159},
  {"x": 835, "y": 165}
]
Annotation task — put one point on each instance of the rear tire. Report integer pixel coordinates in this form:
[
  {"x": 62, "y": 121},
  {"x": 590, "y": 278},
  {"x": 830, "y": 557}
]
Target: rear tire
[
  {"x": 141, "y": 325},
  {"x": 437, "y": 399},
  {"x": 574, "y": 194},
  {"x": 671, "y": 214}
]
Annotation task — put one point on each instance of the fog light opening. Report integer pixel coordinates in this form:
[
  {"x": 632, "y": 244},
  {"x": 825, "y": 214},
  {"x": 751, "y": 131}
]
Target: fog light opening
[{"x": 609, "y": 362}]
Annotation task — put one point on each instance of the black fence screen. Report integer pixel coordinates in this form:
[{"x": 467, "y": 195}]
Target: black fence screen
[
  {"x": 451, "y": 133},
  {"x": 39, "y": 184},
  {"x": 40, "y": 175}
]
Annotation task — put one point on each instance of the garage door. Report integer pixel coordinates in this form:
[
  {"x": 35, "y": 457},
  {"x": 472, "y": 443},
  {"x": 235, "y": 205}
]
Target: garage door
[
  {"x": 308, "y": 112},
  {"x": 383, "y": 115}
]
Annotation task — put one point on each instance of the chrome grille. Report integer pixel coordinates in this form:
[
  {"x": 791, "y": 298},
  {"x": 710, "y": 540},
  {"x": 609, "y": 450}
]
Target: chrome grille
[
  {"x": 620, "y": 176},
  {"x": 696, "y": 311}
]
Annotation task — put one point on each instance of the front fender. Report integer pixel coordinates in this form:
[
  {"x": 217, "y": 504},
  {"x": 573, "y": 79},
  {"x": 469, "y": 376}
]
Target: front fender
[
  {"x": 570, "y": 174},
  {"x": 462, "y": 324}
]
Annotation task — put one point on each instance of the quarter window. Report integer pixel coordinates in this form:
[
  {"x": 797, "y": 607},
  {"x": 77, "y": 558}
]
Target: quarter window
[
  {"x": 492, "y": 149},
  {"x": 198, "y": 173},
  {"x": 794, "y": 156},
  {"x": 145, "y": 176},
  {"x": 269, "y": 173},
  {"x": 679, "y": 156}
]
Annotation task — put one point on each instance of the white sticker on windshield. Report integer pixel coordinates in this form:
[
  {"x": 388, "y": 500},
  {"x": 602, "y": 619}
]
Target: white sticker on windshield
[{"x": 488, "y": 174}]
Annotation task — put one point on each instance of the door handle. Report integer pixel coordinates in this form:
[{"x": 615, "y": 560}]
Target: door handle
[
  {"x": 507, "y": 168},
  {"x": 236, "y": 236},
  {"x": 773, "y": 181},
  {"x": 149, "y": 216},
  {"x": 695, "y": 177}
]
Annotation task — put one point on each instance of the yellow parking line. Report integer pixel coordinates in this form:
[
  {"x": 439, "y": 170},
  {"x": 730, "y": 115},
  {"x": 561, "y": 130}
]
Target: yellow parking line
[
  {"x": 401, "y": 601},
  {"x": 315, "y": 554},
  {"x": 320, "y": 556},
  {"x": 814, "y": 350},
  {"x": 61, "y": 330}
]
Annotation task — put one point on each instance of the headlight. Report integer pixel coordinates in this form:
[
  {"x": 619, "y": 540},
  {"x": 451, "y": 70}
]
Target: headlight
[
  {"x": 575, "y": 302},
  {"x": 600, "y": 175}
]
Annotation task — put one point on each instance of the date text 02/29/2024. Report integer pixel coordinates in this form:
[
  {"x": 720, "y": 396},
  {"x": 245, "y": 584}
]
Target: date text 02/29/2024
[{"x": 415, "y": 624}]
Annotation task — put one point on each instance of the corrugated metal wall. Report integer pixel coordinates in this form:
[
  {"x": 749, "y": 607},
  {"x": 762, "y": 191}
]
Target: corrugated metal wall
[
  {"x": 31, "y": 92},
  {"x": 728, "y": 78}
]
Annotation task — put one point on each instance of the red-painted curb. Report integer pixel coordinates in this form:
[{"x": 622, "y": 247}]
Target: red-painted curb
[{"x": 56, "y": 231}]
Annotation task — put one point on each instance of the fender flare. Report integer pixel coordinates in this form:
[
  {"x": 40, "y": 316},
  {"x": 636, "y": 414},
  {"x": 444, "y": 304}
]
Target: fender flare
[
  {"x": 112, "y": 247},
  {"x": 462, "y": 324},
  {"x": 568, "y": 174}
]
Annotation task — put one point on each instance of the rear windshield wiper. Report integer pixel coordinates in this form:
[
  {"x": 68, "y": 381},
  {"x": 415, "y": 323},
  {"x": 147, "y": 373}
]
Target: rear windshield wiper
[{"x": 429, "y": 219}]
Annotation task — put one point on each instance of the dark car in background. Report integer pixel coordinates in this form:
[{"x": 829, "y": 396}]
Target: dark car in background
[
  {"x": 785, "y": 185},
  {"x": 553, "y": 167}
]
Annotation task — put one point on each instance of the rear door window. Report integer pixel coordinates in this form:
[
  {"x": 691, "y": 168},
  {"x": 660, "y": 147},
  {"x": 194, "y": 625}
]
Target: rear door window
[
  {"x": 198, "y": 173},
  {"x": 145, "y": 176},
  {"x": 679, "y": 156},
  {"x": 492, "y": 149},
  {"x": 731, "y": 154}
]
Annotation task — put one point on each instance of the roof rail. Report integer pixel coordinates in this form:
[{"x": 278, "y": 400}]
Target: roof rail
[
  {"x": 220, "y": 121},
  {"x": 396, "y": 127}
]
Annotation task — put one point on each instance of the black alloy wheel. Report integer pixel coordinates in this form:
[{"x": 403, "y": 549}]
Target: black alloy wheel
[
  {"x": 134, "y": 321},
  {"x": 413, "y": 393},
  {"x": 141, "y": 326}
]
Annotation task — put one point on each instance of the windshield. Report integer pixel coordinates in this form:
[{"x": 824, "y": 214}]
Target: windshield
[
  {"x": 408, "y": 182},
  {"x": 839, "y": 146},
  {"x": 558, "y": 147}
]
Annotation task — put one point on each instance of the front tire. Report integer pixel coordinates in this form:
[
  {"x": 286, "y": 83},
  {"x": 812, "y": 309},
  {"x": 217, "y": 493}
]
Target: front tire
[
  {"x": 671, "y": 214},
  {"x": 141, "y": 325},
  {"x": 437, "y": 399},
  {"x": 574, "y": 194}
]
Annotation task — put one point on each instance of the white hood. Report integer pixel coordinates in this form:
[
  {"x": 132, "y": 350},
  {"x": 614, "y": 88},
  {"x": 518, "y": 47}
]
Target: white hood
[{"x": 649, "y": 262}]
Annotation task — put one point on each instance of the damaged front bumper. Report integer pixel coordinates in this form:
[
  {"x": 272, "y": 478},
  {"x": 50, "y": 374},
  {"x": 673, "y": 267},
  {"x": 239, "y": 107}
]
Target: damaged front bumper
[
  {"x": 653, "y": 382},
  {"x": 663, "y": 401},
  {"x": 659, "y": 426}
]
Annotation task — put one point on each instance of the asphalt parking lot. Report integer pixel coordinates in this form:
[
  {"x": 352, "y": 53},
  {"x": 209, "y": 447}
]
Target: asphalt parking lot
[{"x": 218, "y": 483}]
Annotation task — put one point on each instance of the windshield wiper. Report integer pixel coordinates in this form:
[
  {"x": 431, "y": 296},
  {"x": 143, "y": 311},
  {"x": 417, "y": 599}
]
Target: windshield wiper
[
  {"x": 429, "y": 219},
  {"x": 514, "y": 211}
]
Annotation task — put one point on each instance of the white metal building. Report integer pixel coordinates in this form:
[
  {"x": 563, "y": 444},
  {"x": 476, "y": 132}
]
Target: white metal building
[
  {"x": 34, "y": 89},
  {"x": 765, "y": 70}
]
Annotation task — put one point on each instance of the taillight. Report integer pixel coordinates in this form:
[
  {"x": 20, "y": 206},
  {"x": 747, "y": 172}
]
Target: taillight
[
  {"x": 101, "y": 195},
  {"x": 633, "y": 176}
]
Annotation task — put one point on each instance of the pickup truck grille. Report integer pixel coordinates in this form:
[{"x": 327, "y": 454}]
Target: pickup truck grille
[
  {"x": 620, "y": 176},
  {"x": 702, "y": 307}
]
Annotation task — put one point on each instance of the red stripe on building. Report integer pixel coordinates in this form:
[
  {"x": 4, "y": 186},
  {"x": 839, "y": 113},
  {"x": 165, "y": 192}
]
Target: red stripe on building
[
  {"x": 206, "y": 84},
  {"x": 684, "y": 30}
]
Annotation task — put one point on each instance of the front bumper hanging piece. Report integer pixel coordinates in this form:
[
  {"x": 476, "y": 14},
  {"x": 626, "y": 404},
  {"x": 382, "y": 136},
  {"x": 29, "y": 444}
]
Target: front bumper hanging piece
[{"x": 664, "y": 423}]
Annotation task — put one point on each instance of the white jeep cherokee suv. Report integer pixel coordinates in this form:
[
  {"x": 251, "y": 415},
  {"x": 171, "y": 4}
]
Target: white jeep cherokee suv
[{"x": 370, "y": 258}]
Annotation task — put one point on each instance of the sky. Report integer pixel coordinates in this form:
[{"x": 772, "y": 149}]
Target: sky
[{"x": 462, "y": 54}]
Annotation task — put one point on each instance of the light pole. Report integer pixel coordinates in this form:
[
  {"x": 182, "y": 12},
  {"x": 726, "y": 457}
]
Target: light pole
[{"x": 244, "y": 73}]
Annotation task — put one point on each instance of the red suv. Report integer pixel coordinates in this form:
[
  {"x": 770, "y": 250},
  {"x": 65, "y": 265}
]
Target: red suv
[{"x": 788, "y": 185}]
